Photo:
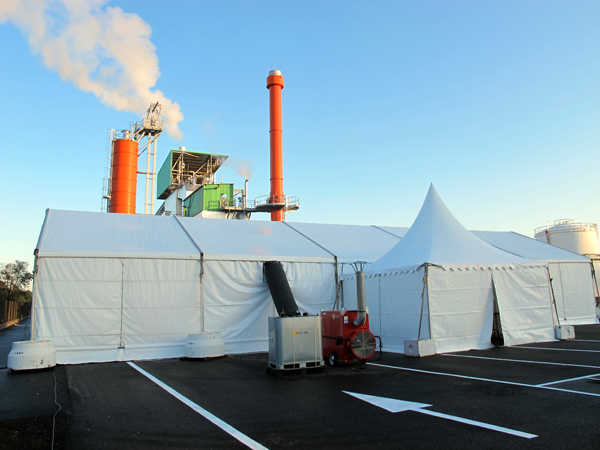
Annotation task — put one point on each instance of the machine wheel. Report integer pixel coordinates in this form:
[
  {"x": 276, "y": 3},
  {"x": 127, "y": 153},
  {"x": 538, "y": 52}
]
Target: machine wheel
[{"x": 333, "y": 358}]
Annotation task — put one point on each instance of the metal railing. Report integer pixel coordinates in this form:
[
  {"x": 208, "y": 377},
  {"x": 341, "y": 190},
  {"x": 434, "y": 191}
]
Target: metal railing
[
  {"x": 230, "y": 203},
  {"x": 567, "y": 225},
  {"x": 267, "y": 200}
]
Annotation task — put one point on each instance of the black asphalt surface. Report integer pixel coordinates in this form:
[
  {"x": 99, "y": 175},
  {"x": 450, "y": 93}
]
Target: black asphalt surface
[{"x": 114, "y": 406}]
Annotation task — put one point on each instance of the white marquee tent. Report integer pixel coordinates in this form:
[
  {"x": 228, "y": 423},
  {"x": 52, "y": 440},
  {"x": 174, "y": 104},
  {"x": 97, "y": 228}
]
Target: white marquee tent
[
  {"x": 119, "y": 287},
  {"x": 572, "y": 282},
  {"x": 440, "y": 282}
]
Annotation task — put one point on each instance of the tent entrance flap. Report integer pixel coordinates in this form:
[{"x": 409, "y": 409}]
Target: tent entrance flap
[
  {"x": 524, "y": 305},
  {"x": 497, "y": 336}
]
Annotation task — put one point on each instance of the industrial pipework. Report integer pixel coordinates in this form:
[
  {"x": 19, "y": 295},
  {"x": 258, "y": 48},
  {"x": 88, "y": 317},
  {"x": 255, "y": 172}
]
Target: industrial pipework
[
  {"x": 124, "y": 174},
  {"x": 361, "y": 302},
  {"x": 275, "y": 85}
]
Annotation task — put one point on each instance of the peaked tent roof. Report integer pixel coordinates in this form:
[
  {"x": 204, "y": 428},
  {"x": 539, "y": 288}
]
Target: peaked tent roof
[{"x": 437, "y": 237}]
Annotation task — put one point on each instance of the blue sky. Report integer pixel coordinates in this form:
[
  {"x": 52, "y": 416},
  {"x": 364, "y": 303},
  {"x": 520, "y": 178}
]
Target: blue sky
[{"x": 496, "y": 103}]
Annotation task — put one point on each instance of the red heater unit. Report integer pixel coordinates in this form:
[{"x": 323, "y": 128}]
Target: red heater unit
[{"x": 345, "y": 341}]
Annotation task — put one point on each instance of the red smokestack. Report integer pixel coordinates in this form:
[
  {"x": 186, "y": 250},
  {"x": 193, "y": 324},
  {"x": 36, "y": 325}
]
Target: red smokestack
[{"x": 275, "y": 85}]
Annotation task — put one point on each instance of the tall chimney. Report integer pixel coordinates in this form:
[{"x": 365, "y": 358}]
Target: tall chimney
[{"x": 275, "y": 85}]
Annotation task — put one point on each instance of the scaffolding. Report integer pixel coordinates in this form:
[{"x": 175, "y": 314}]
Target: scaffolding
[{"x": 146, "y": 133}]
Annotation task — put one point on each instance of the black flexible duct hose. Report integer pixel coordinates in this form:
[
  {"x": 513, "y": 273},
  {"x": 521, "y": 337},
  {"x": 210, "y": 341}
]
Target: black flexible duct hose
[{"x": 280, "y": 289}]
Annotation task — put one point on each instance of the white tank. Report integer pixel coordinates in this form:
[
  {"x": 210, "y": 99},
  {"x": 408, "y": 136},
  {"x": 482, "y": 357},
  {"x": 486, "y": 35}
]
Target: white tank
[{"x": 580, "y": 238}]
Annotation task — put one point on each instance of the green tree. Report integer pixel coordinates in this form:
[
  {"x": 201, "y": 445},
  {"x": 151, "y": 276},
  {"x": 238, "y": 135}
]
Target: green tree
[{"x": 16, "y": 279}]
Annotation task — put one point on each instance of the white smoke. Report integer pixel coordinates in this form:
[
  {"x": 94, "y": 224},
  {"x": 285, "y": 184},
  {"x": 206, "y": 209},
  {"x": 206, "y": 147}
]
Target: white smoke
[
  {"x": 102, "y": 50},
  {"x": 242, "y": 168}
]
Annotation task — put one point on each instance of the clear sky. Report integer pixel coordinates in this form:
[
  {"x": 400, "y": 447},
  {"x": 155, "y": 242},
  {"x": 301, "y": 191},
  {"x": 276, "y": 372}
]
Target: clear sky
[{"x": 496, "y": 103}]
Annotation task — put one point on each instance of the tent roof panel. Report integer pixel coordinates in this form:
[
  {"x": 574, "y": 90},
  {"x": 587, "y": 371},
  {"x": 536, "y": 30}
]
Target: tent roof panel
[
  {"x": 349, "y": 243},
  {"x": 92, "y": 234},
  {"x": 527, "y": 247},
  {"x": 257, "y": 240}
]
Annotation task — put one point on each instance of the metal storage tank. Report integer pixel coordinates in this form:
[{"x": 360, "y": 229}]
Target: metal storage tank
[
  {"x": 580, "y": 238},
  {"x": 124, "y": 175}
]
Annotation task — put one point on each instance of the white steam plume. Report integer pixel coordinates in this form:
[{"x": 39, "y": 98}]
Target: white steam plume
[
  {"x": 242, "y": 168},
  {"x": 105, "y": 51}
]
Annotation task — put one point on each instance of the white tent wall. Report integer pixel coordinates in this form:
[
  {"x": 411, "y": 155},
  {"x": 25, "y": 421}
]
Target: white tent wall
[
  {"x": 457, "y": 303},
  {"x": 111, "y": 309},
  {"x": 461, "y": 308},
  {"x": 573, "y": 288},
  {"x": 161, "y": 306},
  {"x": 395, "y": 301},
  {"x": 572, "y": 281},
  {"x": 402, "y": 299},
  {"x": 237, "y": 301},
  {"x": 78, "y": 306},
  {"x": 525, "y": 304}
]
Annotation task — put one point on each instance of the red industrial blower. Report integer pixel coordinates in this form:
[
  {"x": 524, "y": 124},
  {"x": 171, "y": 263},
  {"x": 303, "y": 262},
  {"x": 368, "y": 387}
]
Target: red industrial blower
[
  {"x": 343, "y": 339},
  {"x": 346, "y": 335}
]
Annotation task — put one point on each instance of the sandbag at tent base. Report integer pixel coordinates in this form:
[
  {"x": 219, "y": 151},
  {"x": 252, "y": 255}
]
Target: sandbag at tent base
[
  {"x": 419, "y": 347},
  {"x": 564, "y": 332}
]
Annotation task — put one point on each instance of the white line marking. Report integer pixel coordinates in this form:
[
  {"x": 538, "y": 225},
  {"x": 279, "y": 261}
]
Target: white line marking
[
  {"x": 561, "y": 349},
  {"x": 523, "y": 361},
  {"x": 204, "y": 413},
  {"x": 570, "y": 379},
  {"x": 585, "y": 340},
  {"x": 393, "y": 405},
  {"x": 485, "y": 379},
  {"x": 479, "y": 424}
]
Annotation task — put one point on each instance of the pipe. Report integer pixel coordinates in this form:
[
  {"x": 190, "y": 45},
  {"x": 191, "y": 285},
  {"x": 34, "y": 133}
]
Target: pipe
[
  {"x": 246, "y": 195},
  {"x": 280, "y": 289},
  {"x": 275, "y": 85},
  {"x": 361, "y": 302},
  {"x": 124, "y": 176}
]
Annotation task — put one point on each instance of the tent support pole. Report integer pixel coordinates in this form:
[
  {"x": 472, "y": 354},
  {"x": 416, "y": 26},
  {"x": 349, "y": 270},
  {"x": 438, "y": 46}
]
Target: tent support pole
[
  {"x": 597, "y": 293},
  {"x": 423, "y": 302},
  {"x": 553, "y": 297},
  {"x": 122, "y": 301},
  {"x": 201, "y": 292},
  {"x": 34, "y": 294}
]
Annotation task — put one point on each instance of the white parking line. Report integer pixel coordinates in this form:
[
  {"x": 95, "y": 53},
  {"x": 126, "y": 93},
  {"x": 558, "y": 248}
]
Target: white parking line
[
  {"x": 478, "y": 424},
  {"x": 561, "y": 349},
  {"x": 485, "y": 379},
  {"x": 522, "y": 361},
  {"x": 204, "y": 413},
  {"x": 570, "y": 379}
]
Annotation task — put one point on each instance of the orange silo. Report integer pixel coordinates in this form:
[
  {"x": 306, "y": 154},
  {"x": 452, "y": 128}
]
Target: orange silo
[
  {"x": 275, "y": 85},
  {"x": 124, "y": 176}
]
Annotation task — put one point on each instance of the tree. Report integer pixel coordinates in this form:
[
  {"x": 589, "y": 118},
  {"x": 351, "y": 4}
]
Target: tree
[{"x": 16, "y": 278}]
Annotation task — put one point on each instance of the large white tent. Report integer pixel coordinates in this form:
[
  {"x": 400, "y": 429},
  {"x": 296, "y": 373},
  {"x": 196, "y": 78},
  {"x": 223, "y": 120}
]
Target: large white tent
[
  {"x": 571, "y": 274},
  {"x": 118, "y": 287},
  {"x": 442, "y": 283},
  {"x": 572, "y": 282}
]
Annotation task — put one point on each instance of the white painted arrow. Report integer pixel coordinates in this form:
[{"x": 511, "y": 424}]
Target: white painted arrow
[{"x": 394, "y": 406}]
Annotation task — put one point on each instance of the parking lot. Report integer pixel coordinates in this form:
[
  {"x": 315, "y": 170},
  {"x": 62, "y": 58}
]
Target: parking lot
[{"x": 532, "y": 396}]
